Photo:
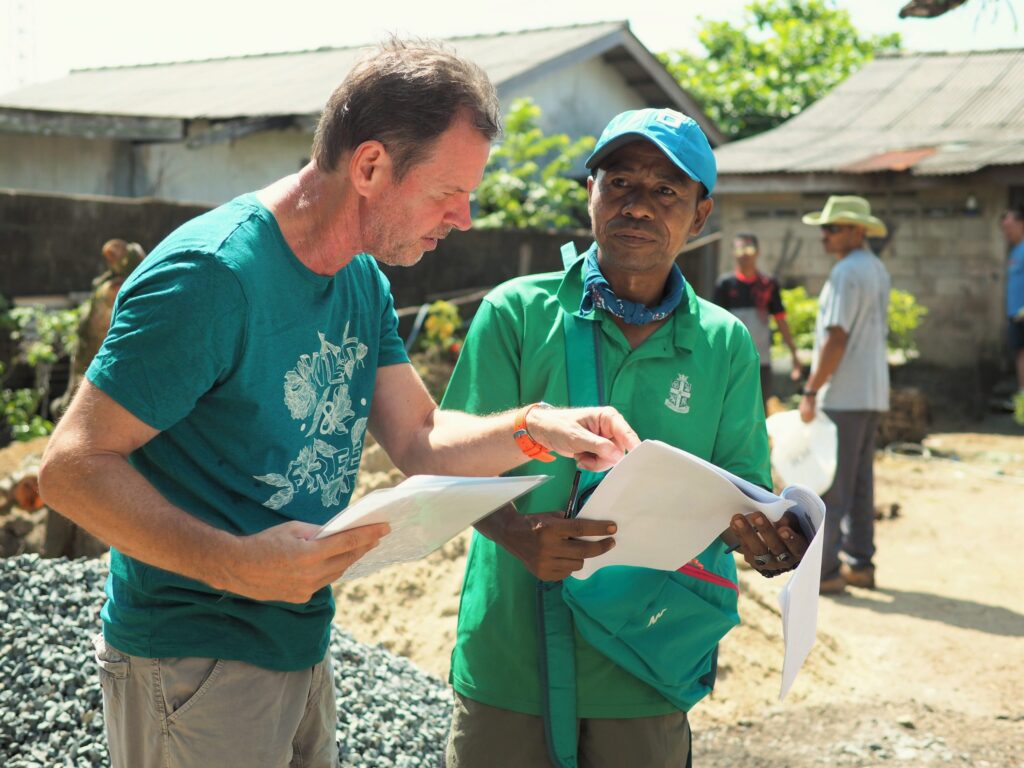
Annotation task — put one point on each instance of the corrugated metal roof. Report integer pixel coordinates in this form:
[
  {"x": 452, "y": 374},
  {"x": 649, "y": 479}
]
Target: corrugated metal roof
[
  {"x": 967, "y": 107},
  {"x": 274, "y": 84}
]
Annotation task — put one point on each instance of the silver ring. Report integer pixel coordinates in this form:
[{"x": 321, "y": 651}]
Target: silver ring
[
  {"x": 764, "y": 559},
  {"x": 783, "y": 557}
]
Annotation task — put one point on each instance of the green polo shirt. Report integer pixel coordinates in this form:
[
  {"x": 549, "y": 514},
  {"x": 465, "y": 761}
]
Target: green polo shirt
[{"x": 694, "y": 384}]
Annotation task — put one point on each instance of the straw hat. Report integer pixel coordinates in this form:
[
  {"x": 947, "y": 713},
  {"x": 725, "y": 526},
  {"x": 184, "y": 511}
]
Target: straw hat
[{"x": 848, "y": 209}]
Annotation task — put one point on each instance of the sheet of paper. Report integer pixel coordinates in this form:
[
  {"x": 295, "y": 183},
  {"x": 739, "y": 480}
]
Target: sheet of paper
[
  {"x": 798, "y": 600},
  {"x": 424, "y": 512},
  {"x": 669, "y": 505}
]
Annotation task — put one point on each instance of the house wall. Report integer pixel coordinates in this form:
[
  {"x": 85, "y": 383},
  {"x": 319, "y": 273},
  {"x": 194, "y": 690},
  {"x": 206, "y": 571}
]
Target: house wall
[
  {"x": 578, "y": 100},
  {"x": 216, "y": 172},
  {"x": 950, "y": 258},
  {"x": 64, "y": 165}
]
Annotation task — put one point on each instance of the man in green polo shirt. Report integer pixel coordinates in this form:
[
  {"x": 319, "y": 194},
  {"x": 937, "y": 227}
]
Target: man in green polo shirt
[{"x": 681, "y": 370}]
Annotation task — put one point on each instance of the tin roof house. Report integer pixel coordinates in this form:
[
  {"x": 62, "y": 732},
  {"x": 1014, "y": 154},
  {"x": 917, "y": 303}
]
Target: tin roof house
[{"x": 935, "y": 141}]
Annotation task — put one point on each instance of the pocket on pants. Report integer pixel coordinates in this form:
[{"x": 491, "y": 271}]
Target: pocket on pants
[
  {"x": 112, "y": 664},
  {"x": 184, "y": 682}
]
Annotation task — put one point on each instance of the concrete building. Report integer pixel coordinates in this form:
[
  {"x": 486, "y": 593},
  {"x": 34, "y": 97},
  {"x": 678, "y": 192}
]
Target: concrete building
[
  {"x": 205, "y": 131},
  {"x": 936, "y": 143}
]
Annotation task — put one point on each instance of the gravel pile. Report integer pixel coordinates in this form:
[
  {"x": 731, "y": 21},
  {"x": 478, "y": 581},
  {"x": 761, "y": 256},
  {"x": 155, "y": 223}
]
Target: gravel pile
[{"x": 391, "y": 715}]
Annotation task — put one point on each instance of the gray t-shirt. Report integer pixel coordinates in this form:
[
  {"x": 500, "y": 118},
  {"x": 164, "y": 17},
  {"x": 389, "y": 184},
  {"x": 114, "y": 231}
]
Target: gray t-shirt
[{"x": 856, "y": 298}]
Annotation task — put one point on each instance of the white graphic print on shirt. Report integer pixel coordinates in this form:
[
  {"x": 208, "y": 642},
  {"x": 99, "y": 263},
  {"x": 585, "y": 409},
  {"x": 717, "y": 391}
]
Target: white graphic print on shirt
[{"x": 316, "y": 393}]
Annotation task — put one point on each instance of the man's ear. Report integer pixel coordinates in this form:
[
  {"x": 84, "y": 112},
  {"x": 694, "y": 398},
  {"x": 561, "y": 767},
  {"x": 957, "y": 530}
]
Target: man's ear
[
  {"x": 369, "y": 167},
  {"x": 704, "y": 208}
]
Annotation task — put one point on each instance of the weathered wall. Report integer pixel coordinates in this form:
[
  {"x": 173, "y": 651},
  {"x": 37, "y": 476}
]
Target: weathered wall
[
  {"x": 578, "y": 100},
  {"x": 51, "y": 245},
  {"x": 65, "y": 165},
  {"x": 952, "y": 259},
  {"x": 215, "y": 172}
]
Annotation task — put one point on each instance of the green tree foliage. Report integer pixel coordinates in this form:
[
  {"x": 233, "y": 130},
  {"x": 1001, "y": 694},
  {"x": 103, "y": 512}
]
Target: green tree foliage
[
  {"x": 905, "y": 316},
  {"x": 527, "y": 184},
  {"x": 784, "y": 56}
]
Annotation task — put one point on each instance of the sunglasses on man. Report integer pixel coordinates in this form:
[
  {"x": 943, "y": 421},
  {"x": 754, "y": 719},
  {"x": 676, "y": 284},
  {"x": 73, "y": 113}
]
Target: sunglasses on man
[{"x": 833, "y": 228}]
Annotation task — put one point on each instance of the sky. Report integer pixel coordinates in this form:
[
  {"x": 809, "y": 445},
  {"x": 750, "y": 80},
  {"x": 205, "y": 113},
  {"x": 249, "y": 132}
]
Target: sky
[{"x": 44, "y": 39}]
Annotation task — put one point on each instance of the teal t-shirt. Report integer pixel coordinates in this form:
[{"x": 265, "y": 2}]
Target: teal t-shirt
[
  {"x": 259, "y": 375},
  {"x": 694, "y": 383}
]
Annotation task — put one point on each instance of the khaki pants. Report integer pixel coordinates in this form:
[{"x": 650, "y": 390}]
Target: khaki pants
[
  {"x": 487, "y": 737},
  {"x": 199, "y": 713}
]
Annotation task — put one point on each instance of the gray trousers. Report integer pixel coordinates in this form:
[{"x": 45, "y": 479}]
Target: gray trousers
[
  {"x": 209, "y": 713},
  {"x": 482, "y": 736},
  {"x": 850, "y": 502}
]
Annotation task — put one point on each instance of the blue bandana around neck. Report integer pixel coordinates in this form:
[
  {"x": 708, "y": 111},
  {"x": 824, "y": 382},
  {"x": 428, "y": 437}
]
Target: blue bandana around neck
[{"x": 598, "y": 294}]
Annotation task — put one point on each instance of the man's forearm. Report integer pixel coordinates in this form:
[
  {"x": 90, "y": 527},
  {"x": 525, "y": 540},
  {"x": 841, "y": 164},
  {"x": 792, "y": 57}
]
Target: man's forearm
[
  {"x": 457, "y": 443},
  {"x": 105, "y": 495},
  {"x": 787, "y": 336}
]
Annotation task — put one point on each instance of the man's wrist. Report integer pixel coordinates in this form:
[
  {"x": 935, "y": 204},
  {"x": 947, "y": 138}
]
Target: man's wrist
[
  {"x": 530, "y": 447},
  {"x": 805, "y": 392}
]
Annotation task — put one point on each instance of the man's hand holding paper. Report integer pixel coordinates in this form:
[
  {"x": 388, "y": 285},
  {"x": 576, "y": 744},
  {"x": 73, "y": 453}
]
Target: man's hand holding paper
[{"x": 769, "y": 548}]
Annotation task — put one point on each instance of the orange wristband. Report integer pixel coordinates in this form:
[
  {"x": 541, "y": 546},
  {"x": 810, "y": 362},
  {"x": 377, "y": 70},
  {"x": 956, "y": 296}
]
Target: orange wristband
[{"x": 521, "y": 435}]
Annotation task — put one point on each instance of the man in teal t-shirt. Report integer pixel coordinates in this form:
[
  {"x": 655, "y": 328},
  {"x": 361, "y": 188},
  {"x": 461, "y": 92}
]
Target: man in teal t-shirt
[
  {"x": 222, "y": 422},
  {"x": 681, "y": 370}
]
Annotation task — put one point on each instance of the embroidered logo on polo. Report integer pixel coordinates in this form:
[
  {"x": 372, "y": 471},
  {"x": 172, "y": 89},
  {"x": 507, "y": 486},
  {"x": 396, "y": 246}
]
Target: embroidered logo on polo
[
  {"x": 679, "y": 393},
  {"x": 316, "y": 393}
]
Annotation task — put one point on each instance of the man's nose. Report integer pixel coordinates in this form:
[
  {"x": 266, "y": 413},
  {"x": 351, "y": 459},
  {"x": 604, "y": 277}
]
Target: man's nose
[
  {"x": 638, "y": 205},
  {"x": 459, "y": 216}
]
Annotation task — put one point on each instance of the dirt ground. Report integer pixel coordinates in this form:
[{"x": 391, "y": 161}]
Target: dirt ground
[{"x": 927, "y": 669}]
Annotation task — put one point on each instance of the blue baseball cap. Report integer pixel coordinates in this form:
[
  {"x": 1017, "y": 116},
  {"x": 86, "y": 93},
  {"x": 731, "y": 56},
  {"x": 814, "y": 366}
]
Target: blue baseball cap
[{"x": 675, "y": 134}]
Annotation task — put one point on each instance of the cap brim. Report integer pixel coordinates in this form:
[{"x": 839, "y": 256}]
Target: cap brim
[{"x": 623, "y": 139}]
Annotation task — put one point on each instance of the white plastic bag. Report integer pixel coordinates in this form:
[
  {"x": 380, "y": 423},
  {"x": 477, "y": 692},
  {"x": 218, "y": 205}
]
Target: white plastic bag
[{"x": 803, "y": 454}]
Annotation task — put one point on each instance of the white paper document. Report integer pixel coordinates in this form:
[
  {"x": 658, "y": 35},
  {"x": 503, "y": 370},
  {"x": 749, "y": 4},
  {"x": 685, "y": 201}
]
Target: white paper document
[
  {"x": 669, "y": 505},
  {"x": 424, "y": 512}
]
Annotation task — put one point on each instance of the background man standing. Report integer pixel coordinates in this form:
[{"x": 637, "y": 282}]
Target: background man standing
[
  {"x": 850, "y": 380},
  {"x": 1013, "y": 230},
  {"x": 754, "y": 298},
  {"x": 222, "y": 422}
]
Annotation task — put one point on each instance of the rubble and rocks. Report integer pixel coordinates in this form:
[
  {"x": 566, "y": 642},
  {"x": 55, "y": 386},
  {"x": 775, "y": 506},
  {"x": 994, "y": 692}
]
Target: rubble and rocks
[{"x": 390, "y": 714}]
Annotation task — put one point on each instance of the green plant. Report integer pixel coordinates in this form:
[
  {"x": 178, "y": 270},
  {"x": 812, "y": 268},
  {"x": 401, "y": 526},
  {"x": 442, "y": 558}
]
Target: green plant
[
  {"x": 1018, "y": 408},
  {"x": 19, "y": 408},
  {"x": 440, "y": 327},
  {"x": 801, "y": 312},
  {"x": 41, "y": 336},
  {"x": 905, "y": 316},
  {"x": 783, "y": 56},
  {"x": 526, "y": 183}
]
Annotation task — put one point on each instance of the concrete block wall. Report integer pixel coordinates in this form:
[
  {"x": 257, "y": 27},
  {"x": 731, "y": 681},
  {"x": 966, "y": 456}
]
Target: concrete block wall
[{"x": 952, "y": 259}]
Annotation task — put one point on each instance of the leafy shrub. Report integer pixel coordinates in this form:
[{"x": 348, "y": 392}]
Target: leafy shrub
[
  {"x": 526, "y": 183},
  {"x": 41, "y": 337},
  {"x": 905, "y": 316}
]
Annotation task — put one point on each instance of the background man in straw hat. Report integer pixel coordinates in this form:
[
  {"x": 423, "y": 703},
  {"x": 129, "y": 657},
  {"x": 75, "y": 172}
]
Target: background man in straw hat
[{"x": 850, "y": 379}]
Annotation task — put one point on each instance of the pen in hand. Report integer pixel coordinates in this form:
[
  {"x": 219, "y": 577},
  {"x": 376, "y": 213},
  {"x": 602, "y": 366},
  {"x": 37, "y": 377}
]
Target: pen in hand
[{"x": 570, "y": 506}]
